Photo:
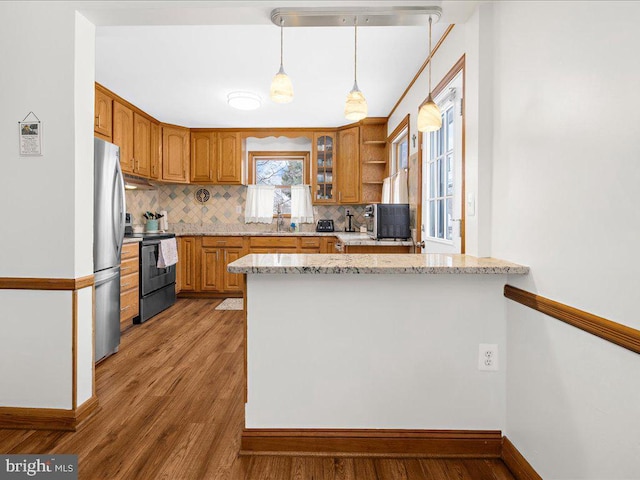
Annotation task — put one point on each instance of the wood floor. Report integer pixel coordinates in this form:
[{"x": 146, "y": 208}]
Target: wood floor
[{"x": 171, "y": 407}]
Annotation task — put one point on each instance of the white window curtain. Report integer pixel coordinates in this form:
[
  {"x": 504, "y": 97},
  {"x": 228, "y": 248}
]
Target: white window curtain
[
  {"x": 259, "y": 204},
  {"x": 399, "y": 191},
  {"x": 395, "y": 188},
  {"x": 301, "y": 207}
]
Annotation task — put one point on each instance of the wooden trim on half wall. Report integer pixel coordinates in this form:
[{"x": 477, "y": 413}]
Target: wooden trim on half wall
[
  {"x": 9, "y": 283},
  {"x": 613, "y": 332},
  {"x": 516, "y": 463},
  {"x": 373, "y": 443},
  {"x": 46, "y": 418}
]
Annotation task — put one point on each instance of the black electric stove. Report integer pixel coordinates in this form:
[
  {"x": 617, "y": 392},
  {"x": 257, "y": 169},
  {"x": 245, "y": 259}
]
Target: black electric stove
[{"x": 157, "y": 285}]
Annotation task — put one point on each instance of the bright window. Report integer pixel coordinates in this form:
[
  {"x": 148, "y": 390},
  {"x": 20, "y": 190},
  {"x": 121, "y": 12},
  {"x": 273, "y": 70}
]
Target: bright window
[
  {"x": 280, "y": 169},
  {"x": 440, "y": 178},
  {"x": 399, "y": 147}
]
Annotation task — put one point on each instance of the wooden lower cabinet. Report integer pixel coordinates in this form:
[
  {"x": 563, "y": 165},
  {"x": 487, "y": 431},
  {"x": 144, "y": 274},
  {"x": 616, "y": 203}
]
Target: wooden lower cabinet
[
  {"x": 377, "y": 249},
  {"x": 129, "y": 284},
  {"x": 329, "y": 245},
  {"x": 202, "y": 264}
]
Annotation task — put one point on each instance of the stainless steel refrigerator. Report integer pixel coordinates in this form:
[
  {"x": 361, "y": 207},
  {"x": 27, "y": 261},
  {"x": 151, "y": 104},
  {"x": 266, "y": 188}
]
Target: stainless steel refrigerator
[{"x": 108, "y": 233}]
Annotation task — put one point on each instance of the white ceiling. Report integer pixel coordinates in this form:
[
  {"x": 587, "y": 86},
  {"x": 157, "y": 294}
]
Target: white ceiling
[{"x": 178, "y": 60}]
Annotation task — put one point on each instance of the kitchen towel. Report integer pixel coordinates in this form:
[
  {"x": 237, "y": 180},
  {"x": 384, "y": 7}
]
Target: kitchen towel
[
  {"x": 301, "y": 206},
  {"x": 167, "y": 253},
  {"x": 259, "y": 205}
]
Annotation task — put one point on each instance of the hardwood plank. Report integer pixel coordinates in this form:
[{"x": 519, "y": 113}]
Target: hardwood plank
[{"x": 390, "y": 469}]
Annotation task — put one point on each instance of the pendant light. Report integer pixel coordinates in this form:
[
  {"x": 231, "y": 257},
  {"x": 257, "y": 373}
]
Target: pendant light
[
  {"x": 281, "y": 87},
  {"x": 356, "y": 106},
  {"x": 429, "y": 116}
]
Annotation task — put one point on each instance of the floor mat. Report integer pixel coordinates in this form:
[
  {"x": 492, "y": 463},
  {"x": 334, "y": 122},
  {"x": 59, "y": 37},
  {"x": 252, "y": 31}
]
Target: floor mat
[{"x": 230, "y": 304}]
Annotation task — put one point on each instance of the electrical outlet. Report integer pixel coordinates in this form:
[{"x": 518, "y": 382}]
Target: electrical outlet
[{"x": 488, "y": 357}]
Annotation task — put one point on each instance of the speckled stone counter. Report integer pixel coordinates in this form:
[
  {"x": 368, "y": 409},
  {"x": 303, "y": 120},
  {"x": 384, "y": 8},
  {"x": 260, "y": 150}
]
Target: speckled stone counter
[
  {"x": 373, "y": 264},
  {"x": 131, "y": 240}
]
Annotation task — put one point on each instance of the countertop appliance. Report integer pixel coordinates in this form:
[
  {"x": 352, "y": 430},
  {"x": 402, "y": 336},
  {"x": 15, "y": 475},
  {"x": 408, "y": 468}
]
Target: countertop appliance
[
  {"x": 157, "y": 285},
  {"x": 324, "y": 226},
  {"x": 108, "y": 234},
  {"x": 388, "y": 220}
]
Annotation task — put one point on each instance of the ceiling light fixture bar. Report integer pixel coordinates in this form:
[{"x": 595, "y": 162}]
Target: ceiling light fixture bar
[{"x": 365, "y": 17}]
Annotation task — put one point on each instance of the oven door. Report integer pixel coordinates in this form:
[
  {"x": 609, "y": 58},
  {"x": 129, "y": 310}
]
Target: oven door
[{"x": 153, "y": 278}]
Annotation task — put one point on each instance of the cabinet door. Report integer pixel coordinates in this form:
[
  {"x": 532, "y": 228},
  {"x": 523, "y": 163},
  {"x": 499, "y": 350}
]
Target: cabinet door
[
  {"x": 123, "y": 134},
  {"x": 187, "y": 266},
  {"x": 204, "y": 149},
  {"x": 322, "y": 170},
  {"x": 348, "y": 166},
  {"x": 232, "y": 282},
  {"x": 141, "y": 145},
  {"x": 210, "y": 269},
  {"x": 175, "y": 154},
  {"x": 156, "y": 151},
  {"x": 329, "y": 245},
  {"x": 103, "y": 114},
  {"x": 229, "y": 169}
]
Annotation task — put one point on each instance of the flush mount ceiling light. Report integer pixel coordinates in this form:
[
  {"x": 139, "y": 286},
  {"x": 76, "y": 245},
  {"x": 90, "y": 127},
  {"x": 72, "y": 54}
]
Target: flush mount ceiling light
[
  {"x": 244, "y": 100},
  {"x": 281, "y": 87},
  {"x": 429, "y": 116},
  {"x": 355, "y": 108}
]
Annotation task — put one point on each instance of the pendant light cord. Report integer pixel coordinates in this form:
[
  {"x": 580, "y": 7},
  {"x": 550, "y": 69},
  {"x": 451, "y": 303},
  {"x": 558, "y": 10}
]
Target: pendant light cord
[
  {"x": 429, "y": 54},
  {"x": 282, "y": 42},
  {"x": 355, "y": 53}
]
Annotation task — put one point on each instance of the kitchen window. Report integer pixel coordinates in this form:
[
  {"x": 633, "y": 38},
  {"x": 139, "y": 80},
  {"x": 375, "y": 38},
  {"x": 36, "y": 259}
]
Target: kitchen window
[
  {"x": 399, "y": 141},
  {"x": 282, "y": 170}
]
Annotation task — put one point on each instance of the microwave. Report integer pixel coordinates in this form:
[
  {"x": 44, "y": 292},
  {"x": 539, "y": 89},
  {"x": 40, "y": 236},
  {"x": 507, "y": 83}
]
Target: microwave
[{"x": 388, "y": 220}]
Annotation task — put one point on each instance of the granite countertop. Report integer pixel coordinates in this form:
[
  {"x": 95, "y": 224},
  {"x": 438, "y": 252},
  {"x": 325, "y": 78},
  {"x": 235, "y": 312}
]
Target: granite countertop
[
  {"x": 431, "y": 263},
  {"x": 131, "y": 240},
  {"x": 347, "y": 238}
]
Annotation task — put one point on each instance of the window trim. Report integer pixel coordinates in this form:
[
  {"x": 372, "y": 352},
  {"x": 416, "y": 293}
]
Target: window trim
[
  {"x": 403, "y": 129},
  {"x": 303, "y": 155},
  {"x": 295, "y": 155}
]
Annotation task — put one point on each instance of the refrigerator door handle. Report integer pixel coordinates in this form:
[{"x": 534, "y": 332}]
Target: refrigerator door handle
[
  {"x": 119, "y": 211},
  {"x": 101, "y": 278}
]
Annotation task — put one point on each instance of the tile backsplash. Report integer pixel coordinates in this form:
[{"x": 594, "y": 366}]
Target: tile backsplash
[{"x": 224, "y": 211}]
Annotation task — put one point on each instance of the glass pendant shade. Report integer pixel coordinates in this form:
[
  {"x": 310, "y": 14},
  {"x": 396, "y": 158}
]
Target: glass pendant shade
[
  {"x": 355, "y": 108},
  {"x": 281, "y": 88},
  {"x": 429, "y": 116}
]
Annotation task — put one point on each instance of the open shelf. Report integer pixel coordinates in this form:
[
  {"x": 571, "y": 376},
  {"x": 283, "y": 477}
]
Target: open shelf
[
  {"x": 374, "y": 142},
  {"x": 373, "y": 183},
  {"x": 379, "y": 162}
]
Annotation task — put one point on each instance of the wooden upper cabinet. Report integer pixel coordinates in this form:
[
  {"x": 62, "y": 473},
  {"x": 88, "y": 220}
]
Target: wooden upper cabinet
[
  {"x": 323, "y": 167},
  {"x": 175, "y": 154},
  {"x": 123, "y": 135},
  {"x": 229, "y": 168},
  {"x": 204, "y": 150},
  {"x": 103, "y": 114},
  {"x": 141, "y": 145},
  {"x": 348, "y": 174},
  {"x": 156, "y": 151}
]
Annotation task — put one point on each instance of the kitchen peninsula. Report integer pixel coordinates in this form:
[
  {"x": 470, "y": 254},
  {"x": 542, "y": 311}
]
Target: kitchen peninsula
[{"x": 373, "y": 341}]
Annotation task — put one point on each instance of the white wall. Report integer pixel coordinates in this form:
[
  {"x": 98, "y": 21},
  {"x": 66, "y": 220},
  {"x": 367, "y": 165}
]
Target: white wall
[
  {"x": 46, "y": 201},
  {"x": 566, "y": 172},
  {"x": 395, "y": 351},
  {"x": 35, "y": 358}
]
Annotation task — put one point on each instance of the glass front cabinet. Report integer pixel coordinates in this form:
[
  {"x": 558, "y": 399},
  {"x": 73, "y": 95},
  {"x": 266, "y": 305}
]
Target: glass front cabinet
[{"x": 323, "y": 171}]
